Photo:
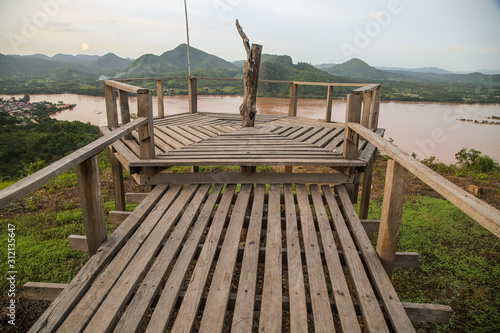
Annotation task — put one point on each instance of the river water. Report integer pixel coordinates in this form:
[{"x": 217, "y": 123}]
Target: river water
[{"x": 427, "y": 129}]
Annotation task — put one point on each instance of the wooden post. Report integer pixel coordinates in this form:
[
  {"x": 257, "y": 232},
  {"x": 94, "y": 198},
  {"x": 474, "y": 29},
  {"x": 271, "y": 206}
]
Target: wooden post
[
  {"x": 329, "y": 103},
  {"x": 146, "y": 135},
  {"x": 353, "y": 115},
  {"x": 292, "y": 108},
  {"x": 367, "y": 106},
  {"x": 366, "y": 183},
  {"x": 248, "y": 109},
  {"x": 118, "y": 185},
  {"x": 392, "y": 214},
  {"x": 159, "y": 96},
  {"x": 111, "y": 112},
  {"x": 92, "y": 206},
  {"x": 193, "y": 95},
  {"x": 125, "y": 110},
  {"x": 373, "y": 124}
]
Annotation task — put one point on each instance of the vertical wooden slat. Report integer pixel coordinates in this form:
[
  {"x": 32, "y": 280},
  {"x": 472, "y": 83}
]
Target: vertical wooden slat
[
  {"x": 367, "y": 106},
  {"x": 146, "y": 136},
  {"x": 111, "y": 112},
  {"x": 292, "y": 108},
  {"x": 375, "y": 108},
  {"x": 366, "y": 183},
  {"x": 92, "y": 206},
  {"x": 243, "y": 311},
  {"x": 124, "y": 110},
  {"x": 351, "y": 138},
  {"x": 298, "y": 310},
  {"x": 118, "y": 186},
  {"x": 271, "y": 308},
  {"x": 159, "y": 96},
  {"x": 329, "y": 104},
  {"x": 392, "y": 214},
  {"x": 193, "y": 95}
]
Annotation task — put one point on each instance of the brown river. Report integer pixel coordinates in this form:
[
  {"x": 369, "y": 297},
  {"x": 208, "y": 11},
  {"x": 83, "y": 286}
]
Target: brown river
[{"x": 427, "y": 129}]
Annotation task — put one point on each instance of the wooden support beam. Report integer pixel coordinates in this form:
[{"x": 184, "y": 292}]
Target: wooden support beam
[
  {"x": 135, "y": 198},
  {"x": 193, "y": 95},
  {"x": 92, "y": 206},
  {"x": 367, "y": 107},
  {"x": 117, "y": 217},
  {"x": 292, "y": 108},
  {"x": 159, "y": 96},
  {"x": 146, "y": 135},
  {"x": 353, "y": 115},
  {"x": 78, "y": 243},
  {"x": 373, "y": 124},
  {"x": 111, "y": 112},
  {"x": 42, "y": 291},
  {"x": 366, "y": 183},
  {"x": 392, "y": 214},
  {"x": 124, "y": 110},
  {"x": 329, "y": 104},
  {"x": 118, "y": 185}
]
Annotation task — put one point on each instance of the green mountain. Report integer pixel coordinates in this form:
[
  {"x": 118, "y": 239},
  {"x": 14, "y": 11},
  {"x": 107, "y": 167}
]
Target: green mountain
[
  {"x": 360, "y": 70},
  {"x": 110, "y": 62},
  {"x": 175, "y": 61}
]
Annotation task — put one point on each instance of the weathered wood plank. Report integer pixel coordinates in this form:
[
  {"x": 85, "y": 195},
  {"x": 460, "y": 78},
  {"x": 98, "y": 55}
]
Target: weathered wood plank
[
  {"x": 189, "y": 306},
  {"x": 172, "y": 287},
  {"x": 351, "y": 138},
  {"x": 243, "y": 312},
  {"x": 340, "y": 290},
  {"x": 51, "y": 319},
  {"x": 42, "y": 291},
  {"x": 135, "y": 198},
  {"x": 298, "y": 310},
  {"x": 218, "y": 295},
  {"x": 292, "y": 108},
  {"x": 117, "y": 217},
  {"x": 271, "y": 311},
  {"x": 78, "y": 243},
  {"x": 382, "y": 284},
  {"x": 323, "y": 318},
  {"x": 126, "y": 87}
]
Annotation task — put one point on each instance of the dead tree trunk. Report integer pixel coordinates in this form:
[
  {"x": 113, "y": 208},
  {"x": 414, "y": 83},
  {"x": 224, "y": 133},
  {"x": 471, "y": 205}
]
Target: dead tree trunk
[{"x": 248, "y": 108}]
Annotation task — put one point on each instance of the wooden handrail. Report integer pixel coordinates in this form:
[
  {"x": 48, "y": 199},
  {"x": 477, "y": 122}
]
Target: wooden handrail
[
  {"x": 126, "y": 87},
  {"x": 34, "y": 181},
  {"x": 481, "y": 212},
  {"x": 366, "y": 88}
]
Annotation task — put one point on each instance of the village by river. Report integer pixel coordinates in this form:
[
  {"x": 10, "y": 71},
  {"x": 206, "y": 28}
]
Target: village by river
[{"x": 426, "y": 129}]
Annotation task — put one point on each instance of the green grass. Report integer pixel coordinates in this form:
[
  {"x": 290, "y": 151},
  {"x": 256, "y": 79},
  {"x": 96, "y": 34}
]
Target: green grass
[{"x": 459, "y": 265}]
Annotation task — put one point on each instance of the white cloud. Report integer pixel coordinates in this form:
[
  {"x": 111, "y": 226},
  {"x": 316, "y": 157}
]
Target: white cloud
[{"x": 85, "y": 46}]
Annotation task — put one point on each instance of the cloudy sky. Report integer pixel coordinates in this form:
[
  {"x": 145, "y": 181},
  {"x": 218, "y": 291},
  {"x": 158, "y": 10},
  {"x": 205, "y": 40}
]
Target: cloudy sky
[{"x": 457, "y": 35}]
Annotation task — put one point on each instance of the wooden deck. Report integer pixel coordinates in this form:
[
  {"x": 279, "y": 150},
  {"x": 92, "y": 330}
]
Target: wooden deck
[{"x": 220, "y": 257}]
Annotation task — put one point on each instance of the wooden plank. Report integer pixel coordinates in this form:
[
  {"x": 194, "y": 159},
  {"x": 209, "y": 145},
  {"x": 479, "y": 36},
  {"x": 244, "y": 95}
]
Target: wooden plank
[
  {"x": 298, "y": 310},
  {"x": 435, "y": 313},
  {"x": 34, "y": 181},
  {"x": 42, "y": 291},
  {"x": 92, "y": 206},
  {"x": 117, "y": 176},
  {"x": 345, "y": 307},
  {"x": 189, "y": 306},
  {"x": 392, "y": 214},
  {"x": 117, "y": 217},
  {"x": 241, "y": 178},
  {"x": 243, "y": 312},
  {"x": 215, "y": 307},
  {"x": 382, "y": 284},
  {"x": 484, "y": 214},
  {"x": 135, "y": 198},
  {"x": 375, "y": 108},
  {"x": 368, "y": 303},
  {"x": 172, "y": 287},
  {"x": 193, "y": 95},
  {"x": 271, "y": 311},
  {"x": 367, "y": 88},
  {"x": 51, "y": 319},
  {"x": 323, "y": 318},
  {"x": 93, "y": 297},
  {"x": 78, "y": 243},
  {"x": 159, "y": 96},
  {"x": 126, "y": 87},
  {"x": 353, "y": 114},
  {"x": 151, "y": 284},
  {"x": 367, "y": 107},
  {"x": 111, "y": 111},
  {"x": 329, "y": 103}
]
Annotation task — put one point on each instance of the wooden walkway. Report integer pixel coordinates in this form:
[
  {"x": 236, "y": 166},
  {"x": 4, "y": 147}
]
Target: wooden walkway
[{"x": 214, "y": 258}]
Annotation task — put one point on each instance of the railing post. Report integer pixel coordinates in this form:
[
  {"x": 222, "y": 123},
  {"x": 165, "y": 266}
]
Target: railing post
[
  {"x": 366, "y": 183},
  {"x": 193, "y": 95},
  {"x": 146, "y": 135},
  {"x": 367, "y": 107},
  {"x": 292, "y": 109},
  {"x": 159, "y": 96},
  {"x": 92, "y": 206},
  {"x": 392, "y": 214},
  {"x": 329, "y": 103},
  {"x": 111, "y": 112},
  {"x": 373, "y": 124},
  {"x": 353, "y": 115},
  {"x": 125, "y": 110}
]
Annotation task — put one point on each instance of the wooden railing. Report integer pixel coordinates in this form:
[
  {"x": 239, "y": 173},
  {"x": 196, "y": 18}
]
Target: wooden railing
[{"x": 87, "y": 167}]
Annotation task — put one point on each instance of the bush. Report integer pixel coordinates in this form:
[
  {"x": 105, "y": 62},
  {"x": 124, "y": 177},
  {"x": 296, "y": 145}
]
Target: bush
[{"x": 473, "y": 159}]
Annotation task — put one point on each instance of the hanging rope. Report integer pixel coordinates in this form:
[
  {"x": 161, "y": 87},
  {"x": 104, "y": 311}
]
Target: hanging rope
[{"x": 187, "y": 33}]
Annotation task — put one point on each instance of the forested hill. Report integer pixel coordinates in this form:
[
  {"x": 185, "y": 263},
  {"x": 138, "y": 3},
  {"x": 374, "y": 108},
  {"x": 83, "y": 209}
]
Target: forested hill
[{"x": 82, "y": 74}]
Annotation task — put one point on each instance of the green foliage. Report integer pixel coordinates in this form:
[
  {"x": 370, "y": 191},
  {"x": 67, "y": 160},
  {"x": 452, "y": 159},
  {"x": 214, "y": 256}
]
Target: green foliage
[
  {"x": 458, "y": 264},
  {"x": 473, "y": 159}
]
